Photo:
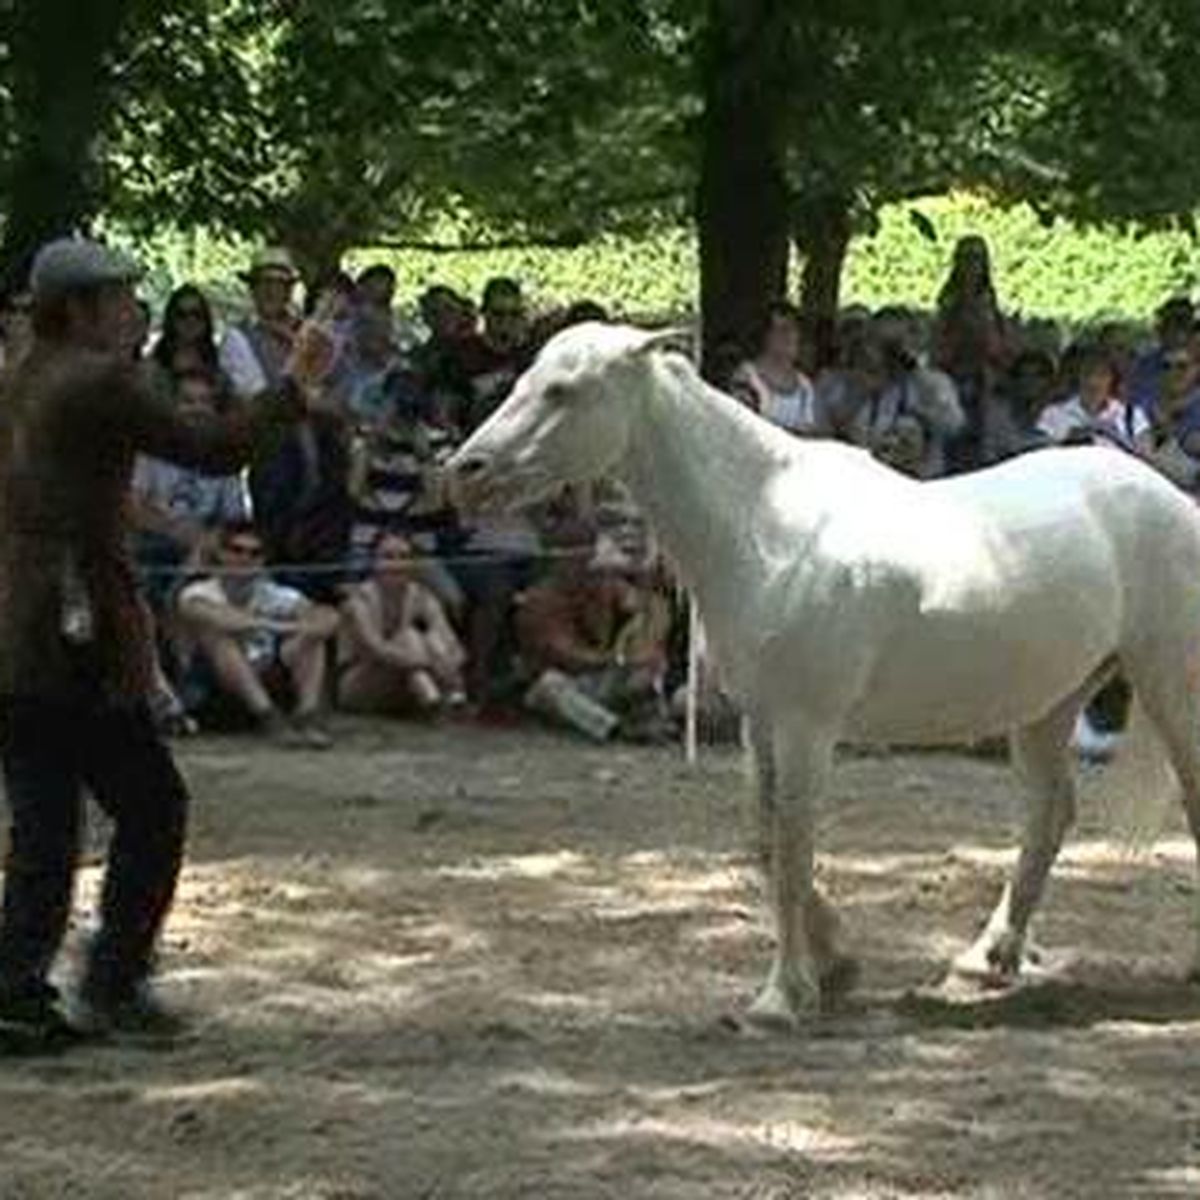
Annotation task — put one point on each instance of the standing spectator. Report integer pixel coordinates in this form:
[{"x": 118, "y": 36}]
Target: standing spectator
[
  {"x": 377, "y": 288},
  {"x": 76, "y": 663},
  {"x": 300, "y": 493},
  {"x": 259, "y": 643},
  {"x": 772, "y": 383},
  {"x": 16, "y": 328},
  {"x": 176, "y": 510},
  {"x": 969, "y": 345},
  {"x": 254, "y": 352},
  {"x": 493, "y": 358},
  {"x": 1174, "y": 330},
  {"x": 187, "y": 343},
  {"x": 399, "y": 651},
  {"x": 451, "y": 321}
]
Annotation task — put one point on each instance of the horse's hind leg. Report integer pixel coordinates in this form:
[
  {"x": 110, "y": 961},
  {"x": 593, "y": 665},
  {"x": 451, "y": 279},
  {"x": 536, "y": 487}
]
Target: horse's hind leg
[
  {"x": 1042, "y": 757},
  {"x": 1170, "y": 697}
]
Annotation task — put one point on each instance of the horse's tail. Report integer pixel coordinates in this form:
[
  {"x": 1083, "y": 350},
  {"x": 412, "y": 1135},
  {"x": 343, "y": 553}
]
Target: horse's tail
[{"x": 1137, "y": 789}]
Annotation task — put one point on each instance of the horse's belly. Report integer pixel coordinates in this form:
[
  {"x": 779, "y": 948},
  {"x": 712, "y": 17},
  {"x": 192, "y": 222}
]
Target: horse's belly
[{"x": 954, "y": 680}]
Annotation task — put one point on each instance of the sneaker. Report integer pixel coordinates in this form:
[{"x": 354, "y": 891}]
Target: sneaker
[
  {"x": 312, "y": 733},
  {"x": 1091, "y": 744},
  {"x": 31, "y": 1023},
  {"x": 136, "y": 1015},
  {"x": 283, "y": 733}
]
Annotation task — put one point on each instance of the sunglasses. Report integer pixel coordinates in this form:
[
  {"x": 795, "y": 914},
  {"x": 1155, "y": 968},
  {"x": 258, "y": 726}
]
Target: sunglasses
[{"x": 243, "y": 550}]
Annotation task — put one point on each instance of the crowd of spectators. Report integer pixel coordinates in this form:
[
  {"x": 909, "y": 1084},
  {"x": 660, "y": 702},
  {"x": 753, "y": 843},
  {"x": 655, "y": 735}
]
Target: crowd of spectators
[{"x": 334, "y": 573}]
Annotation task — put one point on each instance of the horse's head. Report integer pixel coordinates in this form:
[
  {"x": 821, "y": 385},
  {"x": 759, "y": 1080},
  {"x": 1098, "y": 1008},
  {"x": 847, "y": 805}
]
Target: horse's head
[{"x": 569, "y": 418}]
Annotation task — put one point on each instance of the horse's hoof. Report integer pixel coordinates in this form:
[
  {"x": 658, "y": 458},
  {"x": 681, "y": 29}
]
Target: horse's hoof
[
  {"x": 986, "y": 966},
  {"x": 840, "y": 977},
  {"x": 774, "y": 1012}
]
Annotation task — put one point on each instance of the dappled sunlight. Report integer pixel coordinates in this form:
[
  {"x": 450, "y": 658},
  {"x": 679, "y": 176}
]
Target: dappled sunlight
[{"x": 418, "y": 974}]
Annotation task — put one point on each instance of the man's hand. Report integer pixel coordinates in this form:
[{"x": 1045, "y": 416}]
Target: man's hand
[{"x": 314, "y": 350}]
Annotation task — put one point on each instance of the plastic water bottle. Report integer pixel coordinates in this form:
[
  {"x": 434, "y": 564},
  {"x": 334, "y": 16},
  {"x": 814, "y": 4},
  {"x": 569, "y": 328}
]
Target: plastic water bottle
[{"x": 554, "y": 695}]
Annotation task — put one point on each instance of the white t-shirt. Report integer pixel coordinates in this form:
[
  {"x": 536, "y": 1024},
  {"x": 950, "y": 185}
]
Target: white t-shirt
[
  {"x": 239, "y": 361},
  {"x": 267, "y": 600},
  {"x": 204, "y": 499},
  {"x": 794, "y": 410},
  {"x": 1059, "y": 421}
]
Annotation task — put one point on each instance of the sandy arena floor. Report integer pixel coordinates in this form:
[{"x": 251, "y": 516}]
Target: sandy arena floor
[{"x": 445, "y": 963}]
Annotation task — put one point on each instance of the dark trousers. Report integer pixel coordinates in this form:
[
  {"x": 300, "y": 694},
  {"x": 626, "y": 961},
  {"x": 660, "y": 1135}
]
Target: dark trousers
[
  {"x": 50, "y": 750},
  {"x": 1108, "y": 711}
]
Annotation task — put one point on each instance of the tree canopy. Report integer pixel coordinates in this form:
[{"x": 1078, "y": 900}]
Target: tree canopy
[{"x": 327, "y": 126}]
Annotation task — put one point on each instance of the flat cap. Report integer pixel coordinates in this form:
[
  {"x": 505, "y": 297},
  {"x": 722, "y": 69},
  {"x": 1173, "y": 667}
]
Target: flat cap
[{"x": 70, "y": 263}]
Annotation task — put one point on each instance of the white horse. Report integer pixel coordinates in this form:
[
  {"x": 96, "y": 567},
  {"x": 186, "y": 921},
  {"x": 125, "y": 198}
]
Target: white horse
[{"x": 844, "y": 600}]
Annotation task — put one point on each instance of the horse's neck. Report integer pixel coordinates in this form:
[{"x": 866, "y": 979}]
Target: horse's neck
[{"x": 697, "y": 470}]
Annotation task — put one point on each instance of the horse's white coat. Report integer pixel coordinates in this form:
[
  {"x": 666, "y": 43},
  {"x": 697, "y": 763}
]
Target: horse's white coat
[{"x": 845, "y": 600}]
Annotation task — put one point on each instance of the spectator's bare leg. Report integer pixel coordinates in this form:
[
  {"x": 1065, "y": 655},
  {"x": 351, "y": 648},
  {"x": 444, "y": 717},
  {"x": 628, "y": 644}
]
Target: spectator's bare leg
[
  {"x": 234, "y": 672},
  {"x": 304, "y": 658}
]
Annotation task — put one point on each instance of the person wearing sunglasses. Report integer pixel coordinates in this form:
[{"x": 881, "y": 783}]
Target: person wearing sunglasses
[
  {"x": 187, "y": 343},
  {"x": 261, "y": 646}
]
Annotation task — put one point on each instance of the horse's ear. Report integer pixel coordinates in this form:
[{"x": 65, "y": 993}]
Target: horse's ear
[{"x": 680, "y": 338}]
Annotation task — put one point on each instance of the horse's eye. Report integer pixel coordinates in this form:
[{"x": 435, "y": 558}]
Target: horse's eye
[{"x": 557, "y": 393}]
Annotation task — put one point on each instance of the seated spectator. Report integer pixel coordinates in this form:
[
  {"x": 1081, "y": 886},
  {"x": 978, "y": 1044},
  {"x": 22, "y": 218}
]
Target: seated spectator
[
  {"x": 186, "y": 344},
  {"x": 260, "y": 647},
  {"x": 399, "y": 653},
  {"x": 1094, "y": 412},
  {"x": 915, "y": 411},
  {"x": 593, "y": 642},
  {"x": 772, "y": 382},
  {"x": 1025, "y": 390}
]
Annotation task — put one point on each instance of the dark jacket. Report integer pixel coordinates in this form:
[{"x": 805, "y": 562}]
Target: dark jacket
[{"x": 71, "y": 423}]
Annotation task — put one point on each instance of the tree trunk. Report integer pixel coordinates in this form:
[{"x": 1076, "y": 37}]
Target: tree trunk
[
  {"x": 823, "y": 232},
  {"x": 741, "y": 203},
  {"x": 62, "y": 90}
]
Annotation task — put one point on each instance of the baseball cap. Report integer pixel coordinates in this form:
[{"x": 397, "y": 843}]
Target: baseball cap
[{"x": 70, "y": 263}]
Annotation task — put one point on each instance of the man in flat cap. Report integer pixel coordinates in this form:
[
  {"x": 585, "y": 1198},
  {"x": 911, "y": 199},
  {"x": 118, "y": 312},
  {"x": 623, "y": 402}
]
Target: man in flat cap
[{"x": 75, "y": 655}]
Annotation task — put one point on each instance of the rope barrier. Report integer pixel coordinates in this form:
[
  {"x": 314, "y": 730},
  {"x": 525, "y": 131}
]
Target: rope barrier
[{"x": 341, "y": 566}]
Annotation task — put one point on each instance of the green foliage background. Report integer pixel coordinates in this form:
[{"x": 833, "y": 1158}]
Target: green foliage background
[{"x": 1058, "y": 271}]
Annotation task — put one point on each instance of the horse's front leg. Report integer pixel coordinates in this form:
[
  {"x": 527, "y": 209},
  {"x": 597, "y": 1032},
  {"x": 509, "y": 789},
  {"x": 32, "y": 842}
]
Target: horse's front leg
[
  {"x": 836, "y": 972},
  {"x": 803, "y": 922}
]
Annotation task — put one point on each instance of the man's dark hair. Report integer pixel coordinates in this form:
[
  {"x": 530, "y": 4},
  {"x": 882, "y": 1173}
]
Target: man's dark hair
[
  {"x": 377, "y": 271},
  {"x": 585, "y": 310},
  {"x": 501, "y": 287},
  {"x": 776, "y": 310},
  {"x": 52, "y": 314},
  {"x": 238, "y": 527}
]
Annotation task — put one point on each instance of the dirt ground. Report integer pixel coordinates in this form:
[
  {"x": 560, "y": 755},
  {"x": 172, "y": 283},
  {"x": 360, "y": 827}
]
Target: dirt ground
[{"x": 443, "y": 963}]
